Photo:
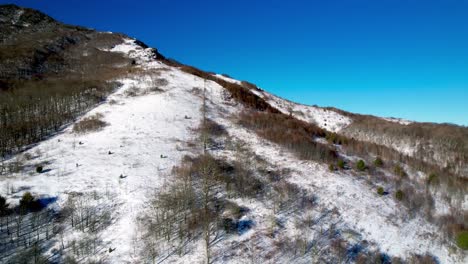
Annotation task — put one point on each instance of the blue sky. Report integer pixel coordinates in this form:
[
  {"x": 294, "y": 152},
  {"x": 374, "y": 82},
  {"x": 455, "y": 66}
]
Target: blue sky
[{"x": 396, "y": 58}]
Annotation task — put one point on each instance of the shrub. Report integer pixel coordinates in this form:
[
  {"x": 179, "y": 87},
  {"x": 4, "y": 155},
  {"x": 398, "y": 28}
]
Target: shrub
[
  {"x": 398, "y": 170},
  {"x": 378, "y": 162},
  {"x": 213, "y": 128},
  {"x": 88, "y": 124},
  {"x": 331, "y": 167},
  {"x": 462, "y": 240},
  {"x": 132, "y": 91},
  {"x": 161, "y": 82},
  {"x": 380, "y": 190},
  {"x": 399, "y": 195},
  {"x": 331, "y": 137},
  {"x": 234, "y": 210},
  {"x": 27, "y": 198},
  {"x": 361, "y": 165},
  {"x": 334, "y": 138},
  {"x": 39, "y": 169},
  {"x": 229, "y": 225},
  {"x": 341, "y": 164},
  {"x": 29, "y": 203},
  {"x": 432, "y": 179}
]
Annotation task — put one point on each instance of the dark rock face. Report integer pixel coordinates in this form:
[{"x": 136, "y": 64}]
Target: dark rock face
[
  {"x": 33, "y": 43},
  {"x": 16, "y": 20},
  {"x": 31, "y": 16}
]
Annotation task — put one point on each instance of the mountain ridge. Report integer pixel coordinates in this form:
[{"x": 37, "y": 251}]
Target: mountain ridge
[{"x": 129, "y": 171}]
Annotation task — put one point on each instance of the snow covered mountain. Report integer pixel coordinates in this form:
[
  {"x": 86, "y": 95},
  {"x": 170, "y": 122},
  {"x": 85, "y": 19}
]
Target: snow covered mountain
[{"x": 178, "y": 165}]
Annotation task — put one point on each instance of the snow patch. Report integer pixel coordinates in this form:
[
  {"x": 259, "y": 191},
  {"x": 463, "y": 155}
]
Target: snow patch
[
  {"x": 326, "y": 119},
  {"x": 135, "y": 51},
  {"x": 227, "y": 79},
  {"x": 398, "y": 120},
  {"x": 17, "y": 16}
]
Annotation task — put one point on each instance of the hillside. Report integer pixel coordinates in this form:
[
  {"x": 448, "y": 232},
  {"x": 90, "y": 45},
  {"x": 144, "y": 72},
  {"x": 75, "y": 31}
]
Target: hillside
[{"x": 112, "y": 153}]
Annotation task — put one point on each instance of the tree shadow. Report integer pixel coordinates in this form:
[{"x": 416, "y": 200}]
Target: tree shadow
[
  {"x": 46, "y": 201},
  {"x": 45, "y": 171},
  {"x": 244, "y": 225}
]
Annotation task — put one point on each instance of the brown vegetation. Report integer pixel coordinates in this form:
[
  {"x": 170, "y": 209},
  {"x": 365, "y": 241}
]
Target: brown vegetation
[
  {"x": 213, "y": 128},
  {"x": 289, "y": 132},
  {"x": 32, "y": 110},
  {"x": 240, "y": 93},
  {"x": 88, "y": 124},
  {"x": 444, "y": 145},
  {"x": 51, "y": 73},
  {"x": 388, "y": 156}
]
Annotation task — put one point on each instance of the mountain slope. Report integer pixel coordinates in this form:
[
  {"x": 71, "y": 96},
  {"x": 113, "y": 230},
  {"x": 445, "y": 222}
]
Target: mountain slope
[
  {"x": 113, "y": 184},
  {"x": 442, "y": 144}
]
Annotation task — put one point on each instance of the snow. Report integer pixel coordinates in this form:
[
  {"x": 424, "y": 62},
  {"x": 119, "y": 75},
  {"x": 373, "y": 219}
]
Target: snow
[
  {"x": 377, "y": 219},
  {"x": 324, "y": 118},
  {"x": 17, "y": 16},
  {"x": 398, "y": 120},
  {"x": 135, "y": 51},
  {"x": 403, "y": 145},
  {"x": 227, "y": 79},
  {"x": 141, "y": 128}
]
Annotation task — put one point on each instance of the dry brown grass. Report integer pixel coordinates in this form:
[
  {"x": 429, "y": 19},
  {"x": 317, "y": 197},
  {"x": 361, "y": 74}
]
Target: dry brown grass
[
  {"x": 213, "y": 128},
  {"x": 90, "y": 124},
  {"x": 291, "y": 133}
]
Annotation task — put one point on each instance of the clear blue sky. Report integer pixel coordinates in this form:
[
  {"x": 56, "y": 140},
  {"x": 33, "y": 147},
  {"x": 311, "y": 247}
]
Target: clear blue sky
[{"x": 384, "y": 57}]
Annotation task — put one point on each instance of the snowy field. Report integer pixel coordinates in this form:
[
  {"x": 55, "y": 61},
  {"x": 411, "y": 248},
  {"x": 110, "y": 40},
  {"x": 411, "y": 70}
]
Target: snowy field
[{"x": 140, "y": 129}]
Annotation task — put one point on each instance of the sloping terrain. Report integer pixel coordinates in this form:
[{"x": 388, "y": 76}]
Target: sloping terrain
[
  {"x": 178, "y": 165},
  {"x": 38, "y": 58},
  {"x": 443, "y": 144},
  {"x": 324, "y": 118}
]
